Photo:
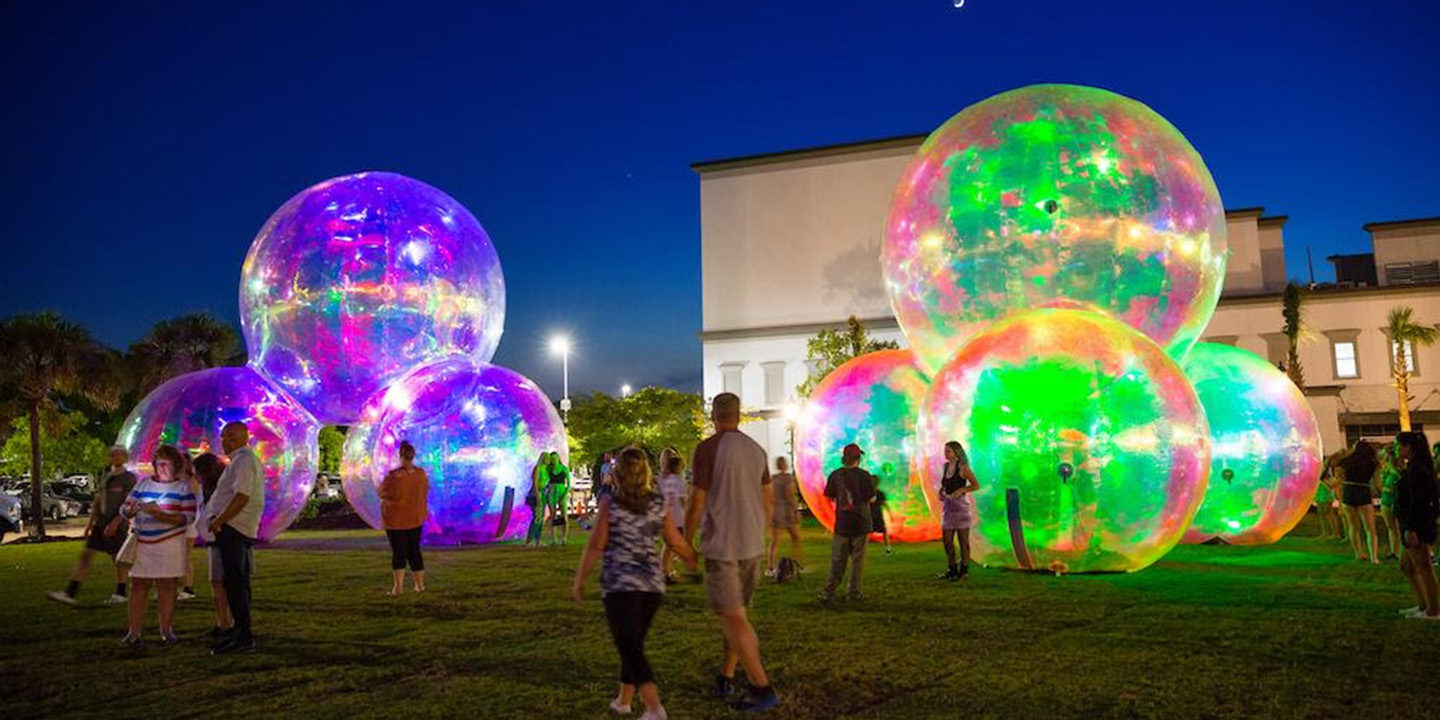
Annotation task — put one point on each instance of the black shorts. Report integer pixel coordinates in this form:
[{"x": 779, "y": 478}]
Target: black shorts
[
  {"x": 1356, "y": 495},
  {"x": 97, "y": 541},
  {"x": 1425, "y": 533}
]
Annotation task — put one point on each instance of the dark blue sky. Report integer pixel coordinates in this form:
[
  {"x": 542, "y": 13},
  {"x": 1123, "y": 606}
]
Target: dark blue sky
[{"x": 146, "y": 142}]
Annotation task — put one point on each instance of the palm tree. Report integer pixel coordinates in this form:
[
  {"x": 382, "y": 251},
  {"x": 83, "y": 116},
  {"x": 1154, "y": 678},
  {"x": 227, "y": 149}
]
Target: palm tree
[
  {"x": 182, "y": 344},
  {"x": 1290, "y": 310},
  {"x": 42, "y": 355},
  {"x": 1404, "y": 336}
]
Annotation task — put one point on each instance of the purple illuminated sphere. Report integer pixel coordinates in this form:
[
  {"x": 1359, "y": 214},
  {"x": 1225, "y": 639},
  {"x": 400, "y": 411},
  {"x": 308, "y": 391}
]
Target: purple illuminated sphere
[
  {"x": 189, "y": 411},
  {"x": 359, "y": 279},
  {"x": 477, "y": 430}
]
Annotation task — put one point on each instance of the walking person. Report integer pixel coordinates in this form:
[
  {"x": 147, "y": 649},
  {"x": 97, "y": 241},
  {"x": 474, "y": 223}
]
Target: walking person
[
  {"x": 880, "y": 505},
  {"x": 957, "y": 509},
  {"x": 538, "y": 480},
  {"x": 853, "y": 491},
  {"x": 234, "y": 520},
  {"x": 208, "y": 469},
  {"x": 403, "y": 496},
  {"x": 671, "y": 486},
  {"x": 557, "y": 491},
  {"x": 786, "y": 517},
  {"x": 731, "y": 503},
  {"x": 1417, "y": 507},
  {"x": 162, "y": 509},
  {"x": 632, "y": 580},
  {"x": 1355, "y": 471},
  {"x": 100, "y": 537}
]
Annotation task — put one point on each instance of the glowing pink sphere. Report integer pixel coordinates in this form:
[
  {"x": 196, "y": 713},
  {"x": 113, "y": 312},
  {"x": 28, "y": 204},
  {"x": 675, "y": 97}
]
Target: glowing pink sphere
[
  {"x": 189, "y": 411},
  {"x": 1090, "y": 446},
  {"x": 871, "y": 401},
  {"x": 361, "y": 278},
  {"x": 1054, "y": 196},
  {"x": 477, "y": 430}
]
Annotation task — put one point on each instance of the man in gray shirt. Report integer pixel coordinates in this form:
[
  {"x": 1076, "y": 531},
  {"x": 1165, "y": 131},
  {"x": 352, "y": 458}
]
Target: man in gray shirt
[
  {"x": 233, "y": 513},
  {"x": 732, "y": 503}
]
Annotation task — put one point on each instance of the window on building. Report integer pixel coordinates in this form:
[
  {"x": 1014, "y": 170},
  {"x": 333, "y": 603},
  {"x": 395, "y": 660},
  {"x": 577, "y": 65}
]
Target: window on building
[
  {"x": 1345, "y": 363},
  {"x": 775, "y": 389},
  {"x": 1356, "y": 433},
  {"x": 1412, "y": 273},
  {"x": 1409, "y": 355},
  {"x": 730, "y": 378}
]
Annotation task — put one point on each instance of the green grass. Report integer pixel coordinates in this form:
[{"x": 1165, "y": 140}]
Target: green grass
[{"x": 1298, "y": 629}]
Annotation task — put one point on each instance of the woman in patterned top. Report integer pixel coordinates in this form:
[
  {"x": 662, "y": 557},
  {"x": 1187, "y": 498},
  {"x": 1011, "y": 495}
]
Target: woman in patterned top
[
  {"x": 632, "y": 581},
  {"x": 160, "y": 510}
]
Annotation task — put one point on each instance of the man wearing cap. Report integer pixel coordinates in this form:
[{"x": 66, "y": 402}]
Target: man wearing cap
[{"x": 852, "y": 490}]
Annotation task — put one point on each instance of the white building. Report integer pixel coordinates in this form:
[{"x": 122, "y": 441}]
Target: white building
[{"x": 790, "y": 244}]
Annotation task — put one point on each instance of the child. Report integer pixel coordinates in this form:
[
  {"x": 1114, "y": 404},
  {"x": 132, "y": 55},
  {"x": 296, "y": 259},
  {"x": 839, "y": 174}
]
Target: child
[
  {"x": 632, "y": 582},
  {"x": 853, "y": 490},
  {"x": 672, "y": 488},
  {"x": 160, "y": 509}
]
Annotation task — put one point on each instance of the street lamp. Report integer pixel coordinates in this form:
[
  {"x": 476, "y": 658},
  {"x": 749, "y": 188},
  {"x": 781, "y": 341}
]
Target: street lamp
[
  {"x": 625, "y": 391},
  {"x": 560, "y": 345}
]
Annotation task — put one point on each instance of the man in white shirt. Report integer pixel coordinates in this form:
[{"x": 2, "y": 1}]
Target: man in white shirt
[{"x": 234, "y": 521}]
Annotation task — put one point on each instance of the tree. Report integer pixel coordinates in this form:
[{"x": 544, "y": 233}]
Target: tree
[
  {"x": 332, "y": 444},
  {"x": 651, "y": 419},
  {"x": 183, "y": 344},
  {"x": 42, "y": 355},
  {"x": 1404, "y": 336},
  {"x": 832, "y": 348},
  {"x": 64, "y": 442},
  {"x": 1290, "y": 303}
]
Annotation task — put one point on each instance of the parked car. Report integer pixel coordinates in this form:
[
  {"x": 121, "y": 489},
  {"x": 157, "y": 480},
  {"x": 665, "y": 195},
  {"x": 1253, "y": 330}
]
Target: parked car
[
  {"x": 75, "y": 494},
  {"x": 11, "y": 516},
  {"x": 54, "y": 506}
]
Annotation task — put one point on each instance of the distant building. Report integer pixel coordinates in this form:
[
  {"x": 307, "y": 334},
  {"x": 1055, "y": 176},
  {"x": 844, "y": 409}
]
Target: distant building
[{"x": 790, "y": 244}]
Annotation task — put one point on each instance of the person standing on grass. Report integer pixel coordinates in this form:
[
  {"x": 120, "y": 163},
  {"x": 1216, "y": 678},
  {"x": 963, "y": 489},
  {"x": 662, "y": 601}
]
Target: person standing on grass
[
  {"x": 114, "y": 487},
  {"x": 234, "y": 520},
  {"x": 1389, "y": 475},
  {"x": 957, "y": 508},
  {"x": 1355, "y": 471},
  {"x": 672, "y": 488},
  {"x": 557, "y": 492},
  {"x": 1417, "y": 507},
  {"x": 162, "y": 509},
  {"x": 208, "y": 469},
  {"x": 853, "y": 492},
  {"x": 786, "y": 516},
  {"x": 731, "y": 503},
  {"x": 878, "y": 507},
  {"x": 403, "y": 496},
  {"x": 632, "y": 580},
  {"x": 1331, "y": 526},
  {"x": 538, "y": 480}
]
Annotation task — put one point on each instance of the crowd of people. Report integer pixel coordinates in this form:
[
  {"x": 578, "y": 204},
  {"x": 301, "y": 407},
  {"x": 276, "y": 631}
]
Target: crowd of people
[{"x": 149, "y": 525}]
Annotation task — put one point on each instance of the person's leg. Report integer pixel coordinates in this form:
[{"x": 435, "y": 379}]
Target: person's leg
[
  {"x": 964, "y": 538},
  {"x": 1408, "y": 567},
  {"x": 947, "y": 537},
  {"x": 396, "y": 539},
  {"x": 1429, "y": 584},
  {"x": 564, "y": 519},
  {"x": 1352, "y": 526},
  {"x": 772, "y": 556},
  {"x": 235, "y": 562},
  {"x": 741, "y": 639},
  {"x": 82, "y": 568},
  {"x": 1392, "y": 530},
  {"x": 415, "y": 559},
  {"x": 222, "y": 609},
  {"x": 1367, "y": 516},
  {"x": 122, "y": 577},
  {"x": 839, "y": 555},
  {"x": 139, "y": 596},
  {"x": 189, "y": 570},
  {"x": 857, "y": 563},
  {"x": 624, "y": 613},
  {"x": 797, "y": 551},
  {"x": 165, "y": 592},
  {"x": 644, "y": 679}
]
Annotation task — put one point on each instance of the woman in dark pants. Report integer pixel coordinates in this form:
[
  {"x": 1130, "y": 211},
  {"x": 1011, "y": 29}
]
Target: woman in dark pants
[
  {"x": 403, "y": 510},
  {"x": 1416, "y": 510}
]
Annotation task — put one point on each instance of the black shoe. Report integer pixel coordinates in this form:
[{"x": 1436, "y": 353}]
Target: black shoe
[
  {"x": 964, "y": 572},
  {"x": 234, "y": 645},
  {"x": 758, "y": 699},
  {"x": 724, "y": 686},
  {"x": 951, "y": 575},
  {"x": 857, "y": 598},
  {"x": 219, "y": 634}
]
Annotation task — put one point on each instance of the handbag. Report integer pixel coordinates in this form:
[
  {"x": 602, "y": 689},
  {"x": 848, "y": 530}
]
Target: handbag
[{"x": 128, "y": 551}]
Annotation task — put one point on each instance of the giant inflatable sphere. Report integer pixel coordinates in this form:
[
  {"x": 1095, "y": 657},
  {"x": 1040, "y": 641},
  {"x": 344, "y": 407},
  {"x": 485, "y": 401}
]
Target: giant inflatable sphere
[
  {"x": 1265, "y": 447},
  {"x": 1089, "y": 444},
  {"x": 189, "y": 412},
  {"x": 477, "y": 430},
  {"x": 1054, "y": 196},
  {"x": 872, "y": 401},
  {"x": 362, "y": 278}
]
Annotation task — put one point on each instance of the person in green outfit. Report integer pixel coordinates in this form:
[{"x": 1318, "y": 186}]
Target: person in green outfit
[
  {"x": 538, "y": 479},
  {"x": 1389, "y": 475},
  {"x": 1330, "y": 526},
  {"x": 557, "y": 493}
]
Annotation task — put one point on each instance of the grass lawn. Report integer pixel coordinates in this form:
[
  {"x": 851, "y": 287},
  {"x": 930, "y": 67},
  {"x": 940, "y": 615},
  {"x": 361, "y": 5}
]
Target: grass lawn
[{"x": 1298, "y": 629}]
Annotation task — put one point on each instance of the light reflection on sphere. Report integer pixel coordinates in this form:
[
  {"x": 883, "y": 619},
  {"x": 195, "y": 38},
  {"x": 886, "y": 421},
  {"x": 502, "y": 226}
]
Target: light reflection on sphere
[
  {"x": 477, "y": 430},
  {"x": 361, "y": 278},
  {"x": 1053, "y": 387},
  {"x": 872, "y": 401},
  {"x": 1054, "y": 196},
  {"x": 1265, "y": 447},
  {"x": 189, "y": 411}
]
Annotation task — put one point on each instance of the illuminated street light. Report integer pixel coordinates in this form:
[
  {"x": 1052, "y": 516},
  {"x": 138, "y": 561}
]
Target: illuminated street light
[
  {"x": 560, "y": 345},
  {"x": 625, "y": 391}
]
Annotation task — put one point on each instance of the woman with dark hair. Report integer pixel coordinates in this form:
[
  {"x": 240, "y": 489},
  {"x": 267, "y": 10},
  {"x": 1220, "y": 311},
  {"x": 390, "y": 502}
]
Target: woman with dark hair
[
  {"x": 1416, "y": 512},
  {"x": 1388, "y": 476},
  {"x": 403, "y": 494},
  {"x": 957, "y": 508},
  {"x": 1356, "y": 470},
  {"x": 208, "y": 469}
]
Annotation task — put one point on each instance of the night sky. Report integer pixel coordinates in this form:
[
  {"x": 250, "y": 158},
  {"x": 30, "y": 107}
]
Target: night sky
[{"x": 146, "y": 143}]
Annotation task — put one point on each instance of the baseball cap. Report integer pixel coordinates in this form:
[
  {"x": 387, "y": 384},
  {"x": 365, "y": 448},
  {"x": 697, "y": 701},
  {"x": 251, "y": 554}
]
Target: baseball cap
[{"x": 852, "y": 451}]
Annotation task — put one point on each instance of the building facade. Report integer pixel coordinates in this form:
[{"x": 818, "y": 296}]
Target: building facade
[{"x": 790, "y": 245}]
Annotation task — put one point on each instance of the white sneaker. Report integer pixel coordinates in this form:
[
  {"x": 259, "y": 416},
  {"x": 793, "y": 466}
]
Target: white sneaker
[
  {"x": 1413, "y": 610},
  {"x": 1423, "y": 616},
  {"x": 116, "y": 599},
  {"x": 619, "y": 709},
  {"x": 656, "y": 714},
  {"x": 60, "y": 597},
  {"x": 185, "y": 595}
]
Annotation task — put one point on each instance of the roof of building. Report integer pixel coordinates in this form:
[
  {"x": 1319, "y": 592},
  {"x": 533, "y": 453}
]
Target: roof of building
[
  {"x": 705, "y": 166},
  {"x": 1401, "y": 224}
]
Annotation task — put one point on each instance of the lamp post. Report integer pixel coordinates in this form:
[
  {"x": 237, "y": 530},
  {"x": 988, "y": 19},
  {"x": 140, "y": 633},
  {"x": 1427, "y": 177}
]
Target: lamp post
[
  {"x": 625, "y": 391},
  {"x": 560, "y": 345}
]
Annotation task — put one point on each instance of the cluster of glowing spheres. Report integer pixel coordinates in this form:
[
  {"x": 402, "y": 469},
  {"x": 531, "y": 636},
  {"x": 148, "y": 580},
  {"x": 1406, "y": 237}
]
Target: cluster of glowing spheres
[
  {"x": 1054, "y": 196},
  {"x": 477, "y": 430},
  {"x": 1265, "y": 447},
  {"x": 189, "y": 412},
  {"x": 1089, "y": 444},
  {"x": 361, "y": 278},
  {"x": 872, "y": 401}
]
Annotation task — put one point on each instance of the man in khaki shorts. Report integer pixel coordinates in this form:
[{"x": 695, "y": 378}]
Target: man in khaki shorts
[{"x": 731, "y": 503}]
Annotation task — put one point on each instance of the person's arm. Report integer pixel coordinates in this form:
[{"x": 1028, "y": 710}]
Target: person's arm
[
  {"x": 678, "y": 544},
  {"x": 972, "y": 485},
  {"x": 386, "y": 491},
  {"x": 702, "y": 463},
  {"x": 238, "y": 502},
  {"x": 767, "y": 489},
  {"x": 692, "y": 513},
  {"x": 599, "y": 538}
]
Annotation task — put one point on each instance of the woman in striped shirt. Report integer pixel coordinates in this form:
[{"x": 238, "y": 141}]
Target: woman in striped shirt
[{"x": 160, "y": 509}]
